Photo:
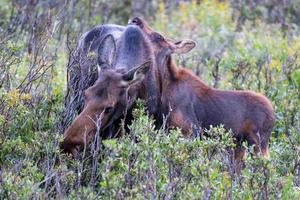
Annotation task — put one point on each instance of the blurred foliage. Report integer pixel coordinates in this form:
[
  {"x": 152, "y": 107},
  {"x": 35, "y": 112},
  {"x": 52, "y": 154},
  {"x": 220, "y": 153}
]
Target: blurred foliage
[{"x": 241, "y": 45}]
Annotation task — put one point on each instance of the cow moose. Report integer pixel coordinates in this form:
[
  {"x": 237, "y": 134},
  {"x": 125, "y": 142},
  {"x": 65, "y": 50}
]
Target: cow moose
[{"x": 190, "y": 103}]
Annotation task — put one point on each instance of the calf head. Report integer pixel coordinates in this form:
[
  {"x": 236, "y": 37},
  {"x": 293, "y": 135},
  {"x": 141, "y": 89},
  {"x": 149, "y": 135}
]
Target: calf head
[
  {"x": 105, "y": 101},
  {"x": 162, "y": 47}
]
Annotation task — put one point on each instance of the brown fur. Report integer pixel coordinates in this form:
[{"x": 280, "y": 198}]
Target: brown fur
[
  {"x": 134, "y": 47},
  {"x": 105, "y": 101},
  {"x": 190, "y": 102},
  {"x": 251, "y": 116},
  {"x": 178, "y": 120}
]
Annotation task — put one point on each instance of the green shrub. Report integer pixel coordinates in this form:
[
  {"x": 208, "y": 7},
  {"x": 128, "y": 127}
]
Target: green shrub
[{"x": 239, "y": 47}]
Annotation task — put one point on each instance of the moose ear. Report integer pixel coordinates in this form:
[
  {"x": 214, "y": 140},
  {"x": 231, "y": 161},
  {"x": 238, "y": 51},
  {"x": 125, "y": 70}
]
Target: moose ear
[
  {"x": 184, "y": 46},
  {"x": 136, "y": 74},
  {"x": 106, "y": 52}
]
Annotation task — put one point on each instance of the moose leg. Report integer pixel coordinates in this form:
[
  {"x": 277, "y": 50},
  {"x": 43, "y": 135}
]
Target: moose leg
[
  {"x": 197, "y": 130},
  {"x": 255, "y": 136},
  {"x": 239, "y": 154},
  {"x": 264, "y": 144},
  {"x": 265, "y": 137},
  {"x": 265, "y": 151}
]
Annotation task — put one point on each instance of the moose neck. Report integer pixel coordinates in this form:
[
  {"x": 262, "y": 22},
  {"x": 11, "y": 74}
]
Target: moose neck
[
  {"x": 174, "y": 75},
  {"x": 170, "y": 70}
]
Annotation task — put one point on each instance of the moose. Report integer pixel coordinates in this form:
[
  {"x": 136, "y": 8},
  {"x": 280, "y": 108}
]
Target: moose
[
  {"x": 82, "y": 70},
  {"x": 188, "y": 101},
  {"x": 132, "y": 48},
  {"x": 105, "y": 101},
  {"x": 191, "y": 104}
]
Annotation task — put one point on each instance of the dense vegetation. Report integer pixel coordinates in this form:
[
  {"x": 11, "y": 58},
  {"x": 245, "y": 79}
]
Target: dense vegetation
[{"x": 241, "y": 45}]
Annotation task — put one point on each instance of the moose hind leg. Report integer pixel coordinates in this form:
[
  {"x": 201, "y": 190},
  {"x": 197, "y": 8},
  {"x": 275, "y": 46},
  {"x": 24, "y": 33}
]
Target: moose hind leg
[
  {"x": 254, "y": 138},
  {"x": 251, "y": 134},
  {"x": 265, "y": 150},
  {"x": 264, "y": 143}
]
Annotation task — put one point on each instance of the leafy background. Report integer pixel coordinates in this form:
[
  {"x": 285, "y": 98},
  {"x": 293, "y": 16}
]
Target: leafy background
[{"x": 240, "y": 45}]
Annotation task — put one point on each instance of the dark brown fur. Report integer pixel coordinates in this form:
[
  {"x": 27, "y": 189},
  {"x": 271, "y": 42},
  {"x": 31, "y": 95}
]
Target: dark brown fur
[
  {"x": 105, "y": 101},
  {"x": 248, "y": 114},
  {"x": 191, "y": 103}
]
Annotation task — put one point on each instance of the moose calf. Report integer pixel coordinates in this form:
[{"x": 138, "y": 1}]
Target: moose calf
[{"x": 191, "y": 103}]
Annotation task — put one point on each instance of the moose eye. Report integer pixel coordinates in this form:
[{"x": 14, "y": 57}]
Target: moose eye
[
  {"x": 109, "y": 110},
  {"x": 136, "y": 21},
  {"x": 157, "y": 37}
]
